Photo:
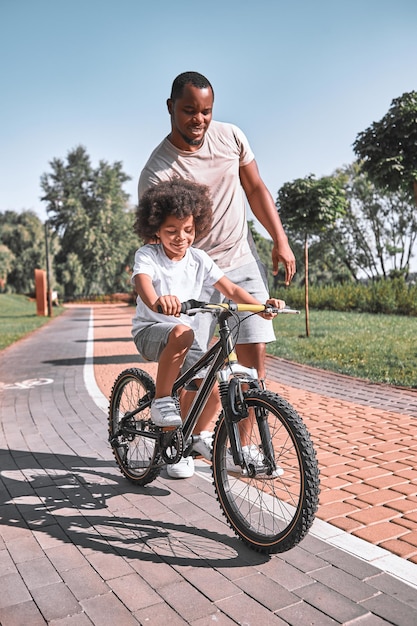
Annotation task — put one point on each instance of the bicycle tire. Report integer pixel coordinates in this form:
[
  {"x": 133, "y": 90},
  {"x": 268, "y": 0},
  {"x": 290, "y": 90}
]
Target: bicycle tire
[
  {"x": 135, "y": 455},
  {"x": 271, "y": 514}
]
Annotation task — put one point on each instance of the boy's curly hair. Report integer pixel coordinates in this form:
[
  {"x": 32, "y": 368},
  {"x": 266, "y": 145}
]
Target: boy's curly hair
[{"x": 178, "y": 197}]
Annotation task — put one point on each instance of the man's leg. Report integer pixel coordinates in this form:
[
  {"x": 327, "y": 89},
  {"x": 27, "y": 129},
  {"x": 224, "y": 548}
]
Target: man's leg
[{"x": 252, "y": 355}]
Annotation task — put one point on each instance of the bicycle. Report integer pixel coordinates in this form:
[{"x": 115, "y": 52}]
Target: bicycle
[{"x": 270, "y": 502}]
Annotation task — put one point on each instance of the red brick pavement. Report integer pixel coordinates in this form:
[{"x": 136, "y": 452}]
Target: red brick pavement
[{"x": 367, "y": 454}]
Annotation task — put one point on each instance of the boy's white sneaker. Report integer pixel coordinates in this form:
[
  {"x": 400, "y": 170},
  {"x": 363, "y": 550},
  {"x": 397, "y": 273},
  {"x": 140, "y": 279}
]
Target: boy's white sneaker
[
  {"x": 203, "y": 444},
  {"x": 183, "y": 469},
  {"x": 164, "y": 412}
]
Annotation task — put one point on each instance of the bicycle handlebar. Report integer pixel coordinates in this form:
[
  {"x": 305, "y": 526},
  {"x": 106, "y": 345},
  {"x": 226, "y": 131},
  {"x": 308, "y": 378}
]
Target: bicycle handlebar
[{"x": 191, "y": 307}]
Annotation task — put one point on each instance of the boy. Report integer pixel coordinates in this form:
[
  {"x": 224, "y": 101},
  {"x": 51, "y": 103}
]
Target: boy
[{"x": 168, "y": 271}]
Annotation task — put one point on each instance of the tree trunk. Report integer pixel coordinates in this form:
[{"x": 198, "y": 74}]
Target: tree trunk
[{"x": 306, "y": 286}]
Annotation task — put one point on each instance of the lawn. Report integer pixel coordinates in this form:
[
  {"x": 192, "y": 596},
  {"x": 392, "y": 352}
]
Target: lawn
[
  {"x": 380, "y": 348},
  {"x": 18, "y": 318}
]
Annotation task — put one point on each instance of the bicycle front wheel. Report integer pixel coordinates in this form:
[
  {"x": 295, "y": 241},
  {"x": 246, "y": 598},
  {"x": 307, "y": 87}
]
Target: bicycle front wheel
[
  {"x": 135, "y": 453},
  {"x": 270, "y": 508}
]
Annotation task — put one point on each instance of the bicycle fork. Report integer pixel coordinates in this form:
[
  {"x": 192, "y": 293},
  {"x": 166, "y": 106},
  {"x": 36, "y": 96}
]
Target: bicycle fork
[{"x": 235, "y": 409}]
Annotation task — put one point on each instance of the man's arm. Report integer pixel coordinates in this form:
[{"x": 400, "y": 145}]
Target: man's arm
[{"x": 264, "y": 209}]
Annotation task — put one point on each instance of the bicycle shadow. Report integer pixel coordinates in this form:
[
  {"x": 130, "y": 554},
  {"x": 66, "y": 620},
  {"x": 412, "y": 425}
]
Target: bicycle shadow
[{"x": 84, "y": 501}]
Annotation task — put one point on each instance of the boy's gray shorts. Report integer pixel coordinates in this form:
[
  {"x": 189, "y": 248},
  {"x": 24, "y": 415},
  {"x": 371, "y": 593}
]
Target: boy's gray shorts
[{"x": 152, "y": 340}]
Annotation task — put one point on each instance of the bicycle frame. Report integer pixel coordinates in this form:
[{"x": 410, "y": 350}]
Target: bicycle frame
[
  {"x": 220, "y": 354},
  {"x": 216, "y": 358}
]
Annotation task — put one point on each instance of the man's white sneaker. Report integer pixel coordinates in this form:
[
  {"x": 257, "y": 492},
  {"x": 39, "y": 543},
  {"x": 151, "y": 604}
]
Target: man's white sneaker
[
  {"x": 164, "y": 412},
  {"x": 253, "y": 456},
  {"x": 183, "y": 469},
  {"x": 203, "y": 444}
]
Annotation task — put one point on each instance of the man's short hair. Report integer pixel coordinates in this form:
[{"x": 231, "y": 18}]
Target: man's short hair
[{"x": 189, "y": 78}]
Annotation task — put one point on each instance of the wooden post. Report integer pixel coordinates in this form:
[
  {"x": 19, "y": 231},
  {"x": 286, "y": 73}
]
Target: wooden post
[
  {"x": 306, "y": 287},
  {"x": 40, "y": 290}
]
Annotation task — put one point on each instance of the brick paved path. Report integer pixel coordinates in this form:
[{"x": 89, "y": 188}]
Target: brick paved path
[
  {"x": 364, "y": 434},
  {"x": 80, "y": 545}
]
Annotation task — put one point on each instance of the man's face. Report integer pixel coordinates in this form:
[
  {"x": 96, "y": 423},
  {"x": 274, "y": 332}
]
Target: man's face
[{"x": 190, "y": 117}]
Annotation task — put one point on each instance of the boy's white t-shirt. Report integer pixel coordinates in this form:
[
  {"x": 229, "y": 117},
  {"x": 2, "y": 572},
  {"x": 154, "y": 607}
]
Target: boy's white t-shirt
[{"x": 184, "y": 279}]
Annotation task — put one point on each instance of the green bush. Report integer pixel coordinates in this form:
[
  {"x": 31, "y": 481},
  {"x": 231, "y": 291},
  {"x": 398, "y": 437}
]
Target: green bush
[{"x": 393, "y": 296}]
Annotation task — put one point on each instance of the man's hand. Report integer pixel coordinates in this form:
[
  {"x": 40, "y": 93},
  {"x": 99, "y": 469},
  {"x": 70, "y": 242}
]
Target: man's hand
[{"x": 285, "y": 256}]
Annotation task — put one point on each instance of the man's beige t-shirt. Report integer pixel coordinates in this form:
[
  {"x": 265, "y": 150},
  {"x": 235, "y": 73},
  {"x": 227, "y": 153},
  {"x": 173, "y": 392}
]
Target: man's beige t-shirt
[{"x": 215, "y": 164}]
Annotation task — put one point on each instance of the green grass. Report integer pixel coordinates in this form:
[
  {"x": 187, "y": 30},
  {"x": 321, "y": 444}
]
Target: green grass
[
  {"x": 379, "y": 348},
  {"x": 18, "y": 318}
]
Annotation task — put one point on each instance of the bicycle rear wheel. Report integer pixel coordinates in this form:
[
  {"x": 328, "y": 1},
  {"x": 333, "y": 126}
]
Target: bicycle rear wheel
[
  {"x": 271, "y": 512},
  {"x": 135, "y": 454}
]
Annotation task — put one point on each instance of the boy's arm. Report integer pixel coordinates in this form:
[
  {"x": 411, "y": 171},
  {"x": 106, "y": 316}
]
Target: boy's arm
[
  {"x": 239, "y": 295},
  {"x": 169, "y": 304}
]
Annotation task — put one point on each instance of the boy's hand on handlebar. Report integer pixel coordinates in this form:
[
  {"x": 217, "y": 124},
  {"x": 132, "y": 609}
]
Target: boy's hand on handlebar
[
  {"x": 276, "y": 304},
  {"x": 168, "y": 305}
]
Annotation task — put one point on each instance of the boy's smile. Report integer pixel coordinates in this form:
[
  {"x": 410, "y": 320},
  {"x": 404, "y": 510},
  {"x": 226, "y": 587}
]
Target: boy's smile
[{"x": 176, "y": 236}]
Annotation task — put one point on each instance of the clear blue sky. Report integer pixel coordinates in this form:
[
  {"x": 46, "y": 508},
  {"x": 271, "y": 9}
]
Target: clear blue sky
[{"x": 301, "y": 77}]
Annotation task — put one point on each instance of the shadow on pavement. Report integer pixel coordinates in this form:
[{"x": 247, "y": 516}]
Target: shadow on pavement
[{"x": 80, "y": 500}]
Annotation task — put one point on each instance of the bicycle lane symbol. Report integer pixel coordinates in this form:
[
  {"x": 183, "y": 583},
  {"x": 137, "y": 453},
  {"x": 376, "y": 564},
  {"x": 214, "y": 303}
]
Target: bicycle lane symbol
[{"x": 26, "y": 384}]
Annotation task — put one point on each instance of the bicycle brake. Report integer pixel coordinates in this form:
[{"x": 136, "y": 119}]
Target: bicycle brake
[{"x": 237, "y": 405}]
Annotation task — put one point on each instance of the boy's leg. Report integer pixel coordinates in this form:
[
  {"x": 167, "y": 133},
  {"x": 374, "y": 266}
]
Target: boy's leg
[
  {"x": 168, "y": 344},
  {"x": 171, "y": 358}
]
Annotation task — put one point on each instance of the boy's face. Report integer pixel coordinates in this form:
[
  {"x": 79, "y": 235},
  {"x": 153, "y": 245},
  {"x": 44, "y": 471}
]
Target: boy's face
[{"x": 176, "y": 236}]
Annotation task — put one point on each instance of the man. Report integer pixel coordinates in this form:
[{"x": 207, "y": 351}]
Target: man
[{"x": 218, "y": 155}]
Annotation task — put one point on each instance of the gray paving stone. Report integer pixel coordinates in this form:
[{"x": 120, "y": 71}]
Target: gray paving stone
[
  {"x": 79, "y": 619},
  {"x": 134, "y": 592},
  {"x": 108, "y": 610},
  {"x": 187, "y": 601},
  {"x": 109, "y": 565},
  {"x": 65, "y": 557},
  {"x": 55, "y": 601},
  {"x": 266, "y": 591},
  {"x": 331, "y": 603},
  {"x": 345, "y": 584},
  {"x": 395, "y": 588},
  {"x": 245, "y": 610},
  {"x": 13, "y": 590},
  {"x": 220, "y": 619},
  {"x": 286, "y": 575},
  {"x": 21, "y": 614},
  {"x": 162, "y": 614},
  {"x": 38, "y": 573},
  {"x": 7, "y": 565},
  {"x": 211, "y": 583},
  {"x": 304, "y": 613},
  {"x": 392, "y": 610},
  {"x": 84, "y": 582},
  {"x": 24, "y": 549}
]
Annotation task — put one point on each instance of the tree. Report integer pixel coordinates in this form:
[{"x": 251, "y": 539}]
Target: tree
[
  {"x": 378, "y": 231},
  {"x": 388, "y": 148},
  {"x": 308, "y": 207},
  {"x": 88, "y": 209},
  {"x": 23, "y": 235},
  {"x": 6, "y": 264}
]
